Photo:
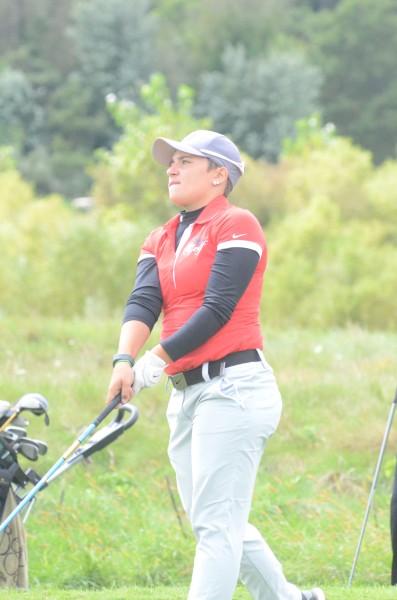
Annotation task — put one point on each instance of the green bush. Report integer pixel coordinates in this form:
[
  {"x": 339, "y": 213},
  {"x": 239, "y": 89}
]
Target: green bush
[
  {"x": 56, "y": 261},
  {"x": 329, "y": 217},
  {"x": 324, "y": 271}
]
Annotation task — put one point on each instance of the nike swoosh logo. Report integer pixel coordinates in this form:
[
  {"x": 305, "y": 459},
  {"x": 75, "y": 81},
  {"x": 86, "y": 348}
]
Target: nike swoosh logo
[{"x": 234, "y": 236}]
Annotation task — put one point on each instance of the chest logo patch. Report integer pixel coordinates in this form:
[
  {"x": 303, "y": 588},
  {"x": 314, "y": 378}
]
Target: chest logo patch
[{"x": 195, "y": 247}]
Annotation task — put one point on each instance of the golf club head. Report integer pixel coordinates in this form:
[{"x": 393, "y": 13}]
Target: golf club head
[
  {"x": 34, "y": 402},
  {"x": 14, "y": 435},
  {"x": 18, "y": 431},
  {"x": 10, "y": 437},
  {"x": 27, "y": 448},
  {"x": 41, "y": 446},
  {"x": 19, "y": 421},
  {"x": 5, "y": 413},
  {"x": 4, "y": 406},
  {"x": 12, "y": 441}
]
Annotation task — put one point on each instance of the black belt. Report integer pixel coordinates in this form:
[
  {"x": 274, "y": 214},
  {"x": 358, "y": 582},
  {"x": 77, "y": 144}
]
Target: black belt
[{"x": 181, "y": 381}]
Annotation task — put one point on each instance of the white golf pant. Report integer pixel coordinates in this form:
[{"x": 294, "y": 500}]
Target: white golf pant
[{"x": 219, "y": 430}]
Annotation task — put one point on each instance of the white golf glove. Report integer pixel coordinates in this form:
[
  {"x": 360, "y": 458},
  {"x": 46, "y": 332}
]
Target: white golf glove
[{"x": 148, "y": 371}]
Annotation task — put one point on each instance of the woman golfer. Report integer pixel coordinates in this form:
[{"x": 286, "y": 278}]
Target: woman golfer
[{"x": 203, "y": 270}]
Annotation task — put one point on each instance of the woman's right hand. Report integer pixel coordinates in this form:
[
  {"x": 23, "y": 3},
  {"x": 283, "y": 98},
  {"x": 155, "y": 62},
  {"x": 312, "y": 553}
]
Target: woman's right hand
[{"x": 122, "y": 380}]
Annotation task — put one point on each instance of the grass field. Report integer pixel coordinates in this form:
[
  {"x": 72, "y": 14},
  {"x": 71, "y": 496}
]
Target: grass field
[
  {"x": 180, "y": 593},
  {"x": 111, "y": 527}
]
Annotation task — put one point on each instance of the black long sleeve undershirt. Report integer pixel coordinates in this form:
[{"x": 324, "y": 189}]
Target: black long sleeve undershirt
[{"x": 145, "y": 301}]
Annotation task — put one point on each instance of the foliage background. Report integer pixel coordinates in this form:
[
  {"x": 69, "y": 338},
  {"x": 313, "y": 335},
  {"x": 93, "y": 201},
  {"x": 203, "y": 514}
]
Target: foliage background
[
  {"x": 309, "y": 91},
  {"x": 254, "y": 68},
  {"x": 332, "y": 239}
]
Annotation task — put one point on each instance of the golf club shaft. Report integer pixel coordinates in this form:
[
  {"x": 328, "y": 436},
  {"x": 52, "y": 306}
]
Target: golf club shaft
[
  {"x": 9, "y": 420},
  {"x": 116, "y": 400},
  {"x": 94, "y": 444},
  {"x": 373, "y": 487}
]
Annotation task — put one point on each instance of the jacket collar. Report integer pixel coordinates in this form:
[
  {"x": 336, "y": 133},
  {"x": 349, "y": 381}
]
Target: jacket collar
[{"x": 216, "y": 205}]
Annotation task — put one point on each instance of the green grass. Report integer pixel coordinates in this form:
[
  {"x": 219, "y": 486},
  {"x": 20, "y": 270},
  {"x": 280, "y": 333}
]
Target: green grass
[
  {"x": 180, "y": 593},
  {"x": 112, "y": 523}
]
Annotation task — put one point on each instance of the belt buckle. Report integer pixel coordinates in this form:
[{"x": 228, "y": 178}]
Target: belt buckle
[{"x": 179, "y": 381}]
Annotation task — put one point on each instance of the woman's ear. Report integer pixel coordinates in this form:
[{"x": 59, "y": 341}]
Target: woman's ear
[
  {"x": 220, "y": 176},
  {"x": 223, "y": 174}
]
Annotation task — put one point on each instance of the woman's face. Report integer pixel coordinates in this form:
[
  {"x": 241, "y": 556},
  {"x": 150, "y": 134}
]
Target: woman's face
[{"x": 191, "y": 183}]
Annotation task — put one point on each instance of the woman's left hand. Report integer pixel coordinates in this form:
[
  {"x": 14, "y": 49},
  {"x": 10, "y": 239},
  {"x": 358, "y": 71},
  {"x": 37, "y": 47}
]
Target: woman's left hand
[{"x": 148, "y": 371}]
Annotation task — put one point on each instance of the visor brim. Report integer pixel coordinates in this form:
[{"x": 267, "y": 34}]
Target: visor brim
[{"x": 163, "y": 150}]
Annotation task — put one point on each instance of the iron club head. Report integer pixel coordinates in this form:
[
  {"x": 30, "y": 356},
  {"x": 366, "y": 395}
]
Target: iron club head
[
  {"x": 27, "y": 448},
  {"x": 19, "y": 431},
  {"x": 41, "y": 446}
]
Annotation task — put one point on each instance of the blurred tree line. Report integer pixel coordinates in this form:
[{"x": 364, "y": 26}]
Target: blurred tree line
[
  {"x": 308, "y": 90},
  {"x": 328, "y": 212},
  {"x": 254, "y": 69}
]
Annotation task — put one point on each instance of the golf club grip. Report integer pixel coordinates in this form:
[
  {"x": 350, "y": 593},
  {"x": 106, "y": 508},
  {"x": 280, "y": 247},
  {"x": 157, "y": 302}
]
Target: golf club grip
[{"x": 108, "y": 409}]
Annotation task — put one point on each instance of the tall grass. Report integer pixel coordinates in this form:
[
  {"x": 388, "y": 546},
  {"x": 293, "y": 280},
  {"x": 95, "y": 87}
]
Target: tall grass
[{"x": 114, "y": 523}]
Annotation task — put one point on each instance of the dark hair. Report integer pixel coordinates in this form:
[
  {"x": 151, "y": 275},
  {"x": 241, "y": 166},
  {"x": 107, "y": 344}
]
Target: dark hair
[{"x": 229, "y": 186}]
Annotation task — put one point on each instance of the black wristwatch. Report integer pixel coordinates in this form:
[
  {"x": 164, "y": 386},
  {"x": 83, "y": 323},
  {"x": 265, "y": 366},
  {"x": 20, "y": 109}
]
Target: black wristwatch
[{"x": 123, "y": 358}]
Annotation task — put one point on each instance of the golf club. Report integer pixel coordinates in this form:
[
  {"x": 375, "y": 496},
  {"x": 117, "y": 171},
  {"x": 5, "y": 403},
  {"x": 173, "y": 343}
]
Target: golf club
[
  {"x": 116, "y": 400},
  {"x": 19, "y": 431},
  {"x": 126, "y": 416},
  {"x": 9, "y": 463},
  {"x": 10, "y": 436},
  {"x": 29, "y": 476},
  {"x": 27, "y": 448},
  {"x": 34, "y": 402},
  {"x": 17, "y": 421},
  {"x": 373, "y": 487},
  {"x": 4, "y": 406},
  {"x": 7, "y": 454},
  {"x": 41, "y": 446},
  {"x": 17, "y": 434}
]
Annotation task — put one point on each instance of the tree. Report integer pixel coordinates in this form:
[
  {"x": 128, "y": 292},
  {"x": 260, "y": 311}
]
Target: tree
[
  {"x": 356, "y": 45},
  {"x": 128, "y": 174},
  {"x": 113, "y": 41},
  {"x": 317, "y": 5},
  {"x": 197, "y": 43},
  {"x": 258, "y": 101},
  {"x": 21, "y": 117},
  {"x": 109, "y": 53}
]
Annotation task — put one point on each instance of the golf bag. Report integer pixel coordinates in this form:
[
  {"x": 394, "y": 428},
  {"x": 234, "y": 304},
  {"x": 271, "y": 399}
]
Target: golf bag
[
  {"x": 13, "y": 547},
  {"x": 14, "y": 480},
  {"x": 14, "y": 441}
]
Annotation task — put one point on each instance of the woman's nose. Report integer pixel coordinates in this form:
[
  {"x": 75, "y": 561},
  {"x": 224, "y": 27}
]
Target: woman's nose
[{"x": 171, "y": 170}]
